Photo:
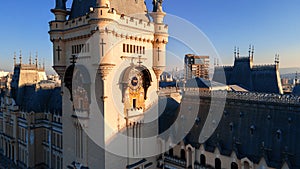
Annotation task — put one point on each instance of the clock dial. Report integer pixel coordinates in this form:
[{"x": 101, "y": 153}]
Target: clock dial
[{"x": 135, "y": 82}]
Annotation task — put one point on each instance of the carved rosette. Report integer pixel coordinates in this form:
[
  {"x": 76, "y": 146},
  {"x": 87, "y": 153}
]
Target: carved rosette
[
  {"x": 158, "y": 71},
  {"x": 105, "y": 69},
  {"x": 60, "y": 70}
]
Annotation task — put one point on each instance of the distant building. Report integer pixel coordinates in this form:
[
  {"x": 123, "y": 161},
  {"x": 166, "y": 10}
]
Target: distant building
[
  {"x": 30, "y": 119},
  {"x": 166, "y": 77},
  {"x": 296, "y": 89},
  {"x": 285, "y": 81},
  {"x": 196, "y": 66},
  {"x": 3, "y": 78},
  {"x": 254, "y": 78},
  {"x": 3, "y": 73}
]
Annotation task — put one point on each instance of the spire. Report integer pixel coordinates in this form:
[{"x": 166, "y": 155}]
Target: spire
[
  {"x": 36, "y": 60},
  {"x": 60, "y": 4},
  {"x": 234, "y": 51},
  {"x": 44, "y": 63},
  {"x": 15, "y": 59},
  {"x": 157, "y": 5},
  {"x": 238, "y": 52},
  {"x": 30, "y": 59},
  {"x": 277, "y": 59},
  {"x": 20, "y": 57},
  {"x": 102, "y": 3},
  {"x": 249, "y": 51},
  {"x": 252, "y": 52},
  {"x": 296, "y": 78}
]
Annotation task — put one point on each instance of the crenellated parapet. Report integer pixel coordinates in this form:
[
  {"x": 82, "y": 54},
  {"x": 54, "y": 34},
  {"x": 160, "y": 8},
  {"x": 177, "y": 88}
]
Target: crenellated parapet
[
  {"x": 248, "y": 96},
  {"x": 263, "y": 67}
]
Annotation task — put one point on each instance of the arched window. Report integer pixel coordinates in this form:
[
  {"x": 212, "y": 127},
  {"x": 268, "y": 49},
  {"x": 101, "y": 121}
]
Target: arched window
[
  {"x": 182, "y": 154},
  {"x": 246, "y": 165},
  {"x": 278, "y": 134},
  {"x": 189, "y": 159},
  {"x": 231, "y": 126},
  {"x": 218, "y": 164},
  {"x": 202, "y": 160},
  {"x": 252, "y": 129},
  {"x": 171, "y": 152},
  {"x": 234, "y": 165}
]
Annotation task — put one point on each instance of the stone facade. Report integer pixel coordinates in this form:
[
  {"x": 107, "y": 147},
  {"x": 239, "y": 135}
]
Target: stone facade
[
  {"x": 116, "y": 49},
  {"x": 30, "y": 119}
]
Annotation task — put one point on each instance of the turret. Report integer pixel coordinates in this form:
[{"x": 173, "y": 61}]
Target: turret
[
  {"x": 56, "y": 26},
  {"x": 60, "y": 10},
  {"x": 103, "y": 3},
  {"x": 160, "y": 39},
  {"x": 277, "y": 61}
]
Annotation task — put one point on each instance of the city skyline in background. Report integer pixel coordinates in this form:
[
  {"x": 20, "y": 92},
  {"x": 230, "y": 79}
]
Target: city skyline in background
[{"x": 272, "y": 26}]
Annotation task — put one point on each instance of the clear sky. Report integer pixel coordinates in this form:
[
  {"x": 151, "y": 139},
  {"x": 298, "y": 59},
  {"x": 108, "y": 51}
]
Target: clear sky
[{"x": 273, "y": 26}]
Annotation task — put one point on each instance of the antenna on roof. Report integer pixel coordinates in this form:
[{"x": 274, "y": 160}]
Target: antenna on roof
[
  {"x": 215, "y": 62},
  {"x": 238, "y": 52}
]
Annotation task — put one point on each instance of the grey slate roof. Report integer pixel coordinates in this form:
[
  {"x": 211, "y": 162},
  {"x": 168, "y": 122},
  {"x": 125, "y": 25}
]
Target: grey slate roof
[
  {"x": 80, "y": 7},
  {"x": 256, "y": 79},
  {"x": 60, "y": 4},
  {"x": 296, "y": 90},
  {"x": 129, "y": 7},
  {"x": 42, "y": 100},
  {"x": 202, "y": 83},
  {"x": 253, "y": 132},
  {"x": 169, "y": 109}
]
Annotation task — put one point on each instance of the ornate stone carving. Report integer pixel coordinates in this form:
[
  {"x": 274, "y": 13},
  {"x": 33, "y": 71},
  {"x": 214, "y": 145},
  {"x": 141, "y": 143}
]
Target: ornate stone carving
[
  {"x": 60, "y": 70},
  {"x": 158, "y": 71},
  {"x": 157, "y": 5},
  {"x": 104, "y": 70}
]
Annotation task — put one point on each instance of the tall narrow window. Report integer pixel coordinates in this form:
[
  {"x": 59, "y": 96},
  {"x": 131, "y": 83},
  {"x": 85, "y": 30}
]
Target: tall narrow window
[
  {"x": 124, "y": 47},
  {"x": 134, "y": 103}
]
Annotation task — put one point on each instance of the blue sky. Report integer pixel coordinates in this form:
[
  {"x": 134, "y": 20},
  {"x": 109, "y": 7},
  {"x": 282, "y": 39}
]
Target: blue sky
[{"x": 273, "y": 26}]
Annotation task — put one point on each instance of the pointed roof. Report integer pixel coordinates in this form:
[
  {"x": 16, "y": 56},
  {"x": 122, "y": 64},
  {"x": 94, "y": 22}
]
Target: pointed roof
[
  {"x": 60, "y": 5},
  {"x": 133, "y": 8}
]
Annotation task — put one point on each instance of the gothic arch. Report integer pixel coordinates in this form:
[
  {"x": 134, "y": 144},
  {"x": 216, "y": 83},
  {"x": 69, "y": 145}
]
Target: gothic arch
[
  {"x": 246, "y": 163},
  {"x": 146, "y": 79},
  {"x": 202, "y": 160},
  {"x": 189, "y": 156},
  {"x": 234, "y": 165},
  {"x": 218, "y": 163},
  {"x": 80, "y": 74}
]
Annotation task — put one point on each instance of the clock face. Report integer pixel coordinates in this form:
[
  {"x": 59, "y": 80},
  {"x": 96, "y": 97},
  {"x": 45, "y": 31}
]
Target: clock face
[{"x": 135, "y": 82}]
